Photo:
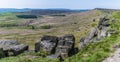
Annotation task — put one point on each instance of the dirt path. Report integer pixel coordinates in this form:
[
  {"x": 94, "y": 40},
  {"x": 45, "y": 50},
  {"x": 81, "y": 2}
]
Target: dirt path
[{"x": 115, "y": 57}]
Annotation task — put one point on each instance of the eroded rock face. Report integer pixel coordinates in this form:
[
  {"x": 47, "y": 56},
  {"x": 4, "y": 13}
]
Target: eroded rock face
[
  {"x": 102, "y": 28},
  {"x": 8, "y": 42},
  {"x": 90, "y": 36},
  {"x": 97, "y": 33},
  {"x": 58, "y": 46},
  {"x": 47, "y": 44},
  {"x": 111, "y": 32},
  {"x": 65, "y": 46},
  {"x": 17, "y": 49},
  {"x": 81, "y": 44},
  {"x": 12, "y": 47}
]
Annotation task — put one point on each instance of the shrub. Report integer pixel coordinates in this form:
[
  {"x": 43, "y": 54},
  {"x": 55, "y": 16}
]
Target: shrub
[
  {"x": 26, "y": 16},
  {"x": 8, "y": 24},
  {"x": 46, "y": 27},
  {"x": 93, "y": 24}
]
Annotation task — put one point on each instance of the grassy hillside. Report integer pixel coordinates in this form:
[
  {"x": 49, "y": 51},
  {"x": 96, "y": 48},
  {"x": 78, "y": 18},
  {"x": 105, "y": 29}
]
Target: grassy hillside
[
  {"x": 96, "y": 52},
  {"x": 78, "y": 24}
]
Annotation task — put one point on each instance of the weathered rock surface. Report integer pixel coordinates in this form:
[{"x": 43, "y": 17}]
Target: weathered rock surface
[
  {"x": 12, "y": 47},
  {"x": 1, "y": 53},
  {"x": 65, "y": 47},
  {"x": 97, "y": 33},
  {"x": 111, "y": 32},
  {"x": 58, "y": 46},
  {"x": 90, "y": 36},
  {"x": 17, "y": 49},
  {"x": 81, "y": 44},
  {"x": 102, "y": 29},
  {"x": 47, "y": 44}
]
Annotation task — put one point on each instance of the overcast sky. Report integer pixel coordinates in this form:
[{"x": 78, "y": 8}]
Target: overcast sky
[{"x": 68, "y": 4}]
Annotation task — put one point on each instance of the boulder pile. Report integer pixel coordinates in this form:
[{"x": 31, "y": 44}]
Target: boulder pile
[{"x": 58, "y": 46}]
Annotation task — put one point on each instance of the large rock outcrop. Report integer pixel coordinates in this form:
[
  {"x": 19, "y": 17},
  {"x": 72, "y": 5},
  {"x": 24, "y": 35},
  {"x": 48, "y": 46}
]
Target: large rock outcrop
[
  {"x": 47, "y": 44},
  {"x": 97, "y": 33},
  {"x": 90, "y": 36},
  {"x": 58, "y": 46},
  {"x": 12, "y": 47},
  {"x": 65, "y": 45}
]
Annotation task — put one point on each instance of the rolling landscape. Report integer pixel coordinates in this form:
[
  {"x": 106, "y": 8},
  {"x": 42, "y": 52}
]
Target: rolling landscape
[
  {"x": 31, "y": 27},
  {"x": 57, "y": 34}
]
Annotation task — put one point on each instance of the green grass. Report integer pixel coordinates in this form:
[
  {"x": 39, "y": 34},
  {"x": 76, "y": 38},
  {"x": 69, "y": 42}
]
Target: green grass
[
  {"x": 46, "y": 27},
  {"x": 75, "y": 24},
  {"x": 97, "y": 52},
  {"x": 10, "y": 21},
  {"x": 94, "y": 52},
  {"x": 23, "y": 59}
]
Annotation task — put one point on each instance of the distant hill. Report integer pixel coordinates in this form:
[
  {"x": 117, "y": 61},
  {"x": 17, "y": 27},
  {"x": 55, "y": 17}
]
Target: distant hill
[
  {"x": 4, "y": 10},
  {"x": 105, "y": 10},
  {"x": 39, "y": 11},
  {"x": 52, "y": 11}
]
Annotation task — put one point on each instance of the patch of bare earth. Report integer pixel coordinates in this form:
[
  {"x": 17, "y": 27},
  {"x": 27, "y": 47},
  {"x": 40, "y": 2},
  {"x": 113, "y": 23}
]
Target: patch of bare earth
[
  {"x": 114, "y": 58},
  {"x": 16, "y": 31}
]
